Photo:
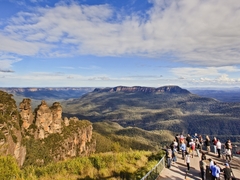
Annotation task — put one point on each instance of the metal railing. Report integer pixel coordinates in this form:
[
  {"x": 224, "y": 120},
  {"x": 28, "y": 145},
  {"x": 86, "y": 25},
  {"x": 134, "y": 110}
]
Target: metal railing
[{"x": 154, "y": 173}]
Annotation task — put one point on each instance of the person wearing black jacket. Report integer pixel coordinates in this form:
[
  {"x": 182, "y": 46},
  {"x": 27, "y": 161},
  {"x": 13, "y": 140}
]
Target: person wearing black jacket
[
  {"x": 207, "y": 143},
  {"x": 168, "y": 156},
  {"x": 227, "y": 172},
  {"x": 188, "y": 139}
]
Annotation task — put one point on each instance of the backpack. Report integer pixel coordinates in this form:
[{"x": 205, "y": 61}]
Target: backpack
[
  {"x": 193, "y": 146},
  {"x": 169, "y": 153}
]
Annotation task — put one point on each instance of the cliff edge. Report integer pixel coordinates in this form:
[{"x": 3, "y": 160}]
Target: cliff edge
[{"x": 43, "y": 135}]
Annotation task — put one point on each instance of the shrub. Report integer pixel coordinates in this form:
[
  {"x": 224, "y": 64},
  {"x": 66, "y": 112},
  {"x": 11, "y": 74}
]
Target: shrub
[
  {"x": 132, "y": 164},
  {"x": 8, "y": 168}
]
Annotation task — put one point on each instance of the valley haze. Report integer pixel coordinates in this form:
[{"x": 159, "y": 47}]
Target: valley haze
[
  {"x": 164, "y": 108},
  {"x": 225, "y": 94}
]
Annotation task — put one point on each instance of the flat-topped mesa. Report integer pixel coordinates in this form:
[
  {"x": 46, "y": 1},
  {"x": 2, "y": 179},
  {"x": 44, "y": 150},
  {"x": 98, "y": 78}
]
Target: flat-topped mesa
[{"x": 167, "y": 89}]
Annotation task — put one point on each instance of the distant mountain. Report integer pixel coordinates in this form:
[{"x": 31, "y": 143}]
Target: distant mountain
[
  {"x": 224, "y": 95},
  {"x": 136, "y": 89},
  {"x": 167, "y": 107},
  {"x": 51, "y": 94},
  {"x": 164, "y": 108}
]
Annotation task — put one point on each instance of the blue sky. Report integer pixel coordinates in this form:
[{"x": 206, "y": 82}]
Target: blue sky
[{"x": 106, "y": 43}]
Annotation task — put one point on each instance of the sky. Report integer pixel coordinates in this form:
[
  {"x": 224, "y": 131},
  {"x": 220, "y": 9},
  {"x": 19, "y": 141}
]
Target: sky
[{"x": 108, "y": 43}]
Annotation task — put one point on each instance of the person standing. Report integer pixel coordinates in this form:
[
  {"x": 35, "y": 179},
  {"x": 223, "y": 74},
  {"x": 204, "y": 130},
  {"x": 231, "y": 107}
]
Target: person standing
[
  {"x": 215, "y": 171},
  {"x": 227, "y": 172},
  {"x": 214, "y": 141},
  {"x": 188, "y": 161},
  {"x": 192, "y": 147},
  {"x": 207, "y": 143},
  {"x": 228, "y": 146},
  {"x": 169, "y": 156},
  {"x": 197, "y": 147},
  {"x": 200, "y": 139},
  {"x": 173, "y": 147},
  {"x": 202, "y": 166},
  {"x": 211, "y": 162},
  {"x": 228, "y": 154},
  {"x": 182, "y": 138},
  {"x": 178, "y": 143},
  {"x": 188, "y": 140},
  {"x": 183, "y": 149},
  {"x": 218, "y": 146}
]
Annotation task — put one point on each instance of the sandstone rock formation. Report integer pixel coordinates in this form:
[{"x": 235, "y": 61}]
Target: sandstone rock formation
[
  {"x": 26, "y": 113},
  {"x": 10, "y": 132},
  {"x": 22, "y": 131},
  {"x": 48, "y": 119},
  {"x": 77, "y": 143}
]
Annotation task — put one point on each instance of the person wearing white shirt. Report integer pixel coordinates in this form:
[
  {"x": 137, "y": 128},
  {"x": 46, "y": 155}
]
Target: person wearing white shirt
[
  {"x": 218, "y": 146},
  {"x": 188, "y": 161}
]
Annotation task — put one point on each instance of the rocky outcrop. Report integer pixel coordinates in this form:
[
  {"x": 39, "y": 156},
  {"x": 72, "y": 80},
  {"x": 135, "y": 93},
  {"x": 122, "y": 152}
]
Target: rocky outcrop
[
  {"x": 24, "y": 133},
  {"x": 48, "y": 119},
  {"x": 26, "y": 113},
  {"x": 10, "y": 132},
  {"x": 79, "y": 143},
  {"x": 134, "y": 89}
]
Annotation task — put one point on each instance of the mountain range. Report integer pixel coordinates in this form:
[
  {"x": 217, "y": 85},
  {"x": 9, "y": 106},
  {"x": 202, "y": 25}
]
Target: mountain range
[{"x": 165, "y": 108}]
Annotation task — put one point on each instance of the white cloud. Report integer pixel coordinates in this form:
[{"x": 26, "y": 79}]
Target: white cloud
[
  {"x": 223, "y": 80},
  {"x": 20, "y": 47},
  {"x": 208, "y": 76},
  {"x": 189, "y": 72},
  {"x": 192, "y": 31},
  {"x": 6, "y": 61}
]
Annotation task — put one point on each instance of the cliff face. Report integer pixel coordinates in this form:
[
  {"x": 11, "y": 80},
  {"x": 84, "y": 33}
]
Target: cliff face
[
  {"x": 10, "y": 132},
  {"x": 26, "y": 113},
  {"x": 79, "y": 143},
  {"x": 134, "y": 89},
  {"x": 25, "y": 133}
]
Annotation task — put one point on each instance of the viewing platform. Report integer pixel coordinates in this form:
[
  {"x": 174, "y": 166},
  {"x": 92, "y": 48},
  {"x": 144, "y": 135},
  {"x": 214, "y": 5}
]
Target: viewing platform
[{"x": 178, "y": 170}]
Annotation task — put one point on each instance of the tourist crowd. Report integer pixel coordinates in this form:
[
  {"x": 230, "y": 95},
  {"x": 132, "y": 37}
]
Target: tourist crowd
[{"x": 190, "y": 146}]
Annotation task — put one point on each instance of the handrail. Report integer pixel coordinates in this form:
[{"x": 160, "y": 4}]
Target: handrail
[{"x": 154, "y": 172}]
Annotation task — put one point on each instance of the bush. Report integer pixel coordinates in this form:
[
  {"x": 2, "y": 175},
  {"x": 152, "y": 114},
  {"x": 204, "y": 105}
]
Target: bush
[
  {"x": 132, "y": 164},
  {"x": 8, "y": 168}
]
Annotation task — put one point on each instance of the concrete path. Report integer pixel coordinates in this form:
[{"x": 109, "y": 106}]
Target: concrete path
[{"x": 178, "y": 169}]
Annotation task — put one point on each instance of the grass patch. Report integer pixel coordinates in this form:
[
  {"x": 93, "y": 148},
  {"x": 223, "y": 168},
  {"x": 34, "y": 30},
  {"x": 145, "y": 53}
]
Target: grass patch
[{"x": 133, "y": 164}]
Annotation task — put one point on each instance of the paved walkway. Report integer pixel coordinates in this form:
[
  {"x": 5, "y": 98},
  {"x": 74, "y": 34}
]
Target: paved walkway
[{"x": 178, "y": 169}]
